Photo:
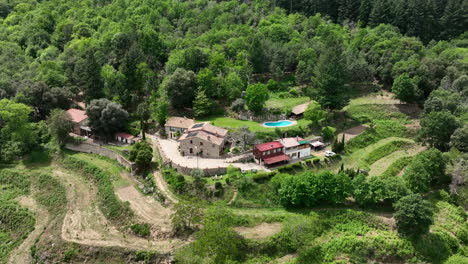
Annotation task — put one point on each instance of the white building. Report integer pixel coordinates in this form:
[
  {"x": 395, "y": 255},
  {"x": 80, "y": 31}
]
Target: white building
[{"x": 296, "y": 148}]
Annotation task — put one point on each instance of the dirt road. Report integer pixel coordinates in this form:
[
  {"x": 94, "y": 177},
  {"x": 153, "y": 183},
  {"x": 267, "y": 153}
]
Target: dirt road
[
  {"x": 22, "y": 254},
  {"x": 162, "y": 186},
  {"x": 85, "y": 224},
  {"x": 146, "y": 208}
]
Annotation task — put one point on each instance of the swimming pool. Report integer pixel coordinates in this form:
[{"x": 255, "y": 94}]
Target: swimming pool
[{"x": 282, "y": 123}]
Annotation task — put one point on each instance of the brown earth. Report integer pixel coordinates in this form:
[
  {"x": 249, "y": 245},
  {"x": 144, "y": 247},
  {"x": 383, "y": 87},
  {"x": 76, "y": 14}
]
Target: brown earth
[
  {"x": 260, "y": 231},
  {"x": 85, "y": 224},
  {"x": 147, "y": 209}
]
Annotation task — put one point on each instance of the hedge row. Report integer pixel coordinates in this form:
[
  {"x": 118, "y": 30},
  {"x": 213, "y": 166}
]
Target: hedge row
[
  {"x": 112, "y": 207},
  {"x": 385, "y": 150},
  {"x": 381, "y": 130},
  {"x": 396, "y": 167},
  {"x": 265, "y": 176}
]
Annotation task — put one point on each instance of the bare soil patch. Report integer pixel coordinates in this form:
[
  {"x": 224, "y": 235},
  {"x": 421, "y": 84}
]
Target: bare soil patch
[
  {"x": 22, "y": 254},
  {"x": 260, "y": 231},
  {"x": 352, "y": 132},
  {"x": 147, "y": 209},
  {"x": 85, "y": 224}
]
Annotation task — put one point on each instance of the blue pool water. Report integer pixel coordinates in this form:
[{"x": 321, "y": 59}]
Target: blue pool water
[{"x": 278, "y": 123}]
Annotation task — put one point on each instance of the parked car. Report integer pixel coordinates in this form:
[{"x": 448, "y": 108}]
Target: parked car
[{"x": 329, "y": 153}]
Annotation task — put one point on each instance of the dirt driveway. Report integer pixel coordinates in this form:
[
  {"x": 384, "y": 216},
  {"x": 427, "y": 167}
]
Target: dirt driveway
[{"x": 85, "y": 224}]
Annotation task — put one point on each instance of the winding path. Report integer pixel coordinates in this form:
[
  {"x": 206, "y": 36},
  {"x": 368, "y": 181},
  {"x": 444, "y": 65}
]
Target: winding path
[
  {"x": 164, "y": 188},
  {"x": 22, "y": 254},
  {"x": 85, "y": 224},
  {"x": 379, "y": 167}
]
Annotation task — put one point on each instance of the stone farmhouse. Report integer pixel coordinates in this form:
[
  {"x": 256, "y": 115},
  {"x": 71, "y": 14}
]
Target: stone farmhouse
[
  {"x": 204, "y": 140},
  {"x": 176, "y": 126}
]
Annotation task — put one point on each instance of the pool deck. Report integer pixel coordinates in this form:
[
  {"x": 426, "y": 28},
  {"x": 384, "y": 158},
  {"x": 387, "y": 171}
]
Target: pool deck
[{"x": 293, "y": 123}]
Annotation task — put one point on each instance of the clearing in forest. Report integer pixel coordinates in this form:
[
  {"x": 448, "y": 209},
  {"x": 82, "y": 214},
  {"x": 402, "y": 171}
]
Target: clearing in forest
[{"x": 261, "y": 231}]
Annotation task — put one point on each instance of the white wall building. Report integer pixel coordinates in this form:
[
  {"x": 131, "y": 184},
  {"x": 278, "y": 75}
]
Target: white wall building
[{"x": 296, "y": 148}]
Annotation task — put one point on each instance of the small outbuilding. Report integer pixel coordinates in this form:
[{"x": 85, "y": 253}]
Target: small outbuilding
[
  {"x": 126, "y": 138},
  {"x": 298, "y": 111}
]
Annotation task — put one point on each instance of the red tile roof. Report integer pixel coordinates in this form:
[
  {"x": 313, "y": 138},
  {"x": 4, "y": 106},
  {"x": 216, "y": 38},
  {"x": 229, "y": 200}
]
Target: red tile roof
[
  {"x": 77, "y": 115},
  {"x": 269, "y": 146},
  {"x": 276, "y": 158},
  {"x": 125, "y": 135}
]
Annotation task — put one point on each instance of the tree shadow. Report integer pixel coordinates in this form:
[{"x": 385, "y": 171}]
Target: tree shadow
[
  {"x": 37, "y": 159},
  {"x": 432, "y": 247}
]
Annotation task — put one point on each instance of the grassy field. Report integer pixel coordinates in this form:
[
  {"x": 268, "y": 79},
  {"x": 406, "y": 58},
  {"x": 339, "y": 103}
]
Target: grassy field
[
  {"x": 231, "y": 123},
  {"x": 120, "y": 149},
  {"x": 106, "y": 164},
  {"x": 285, "y": 103}
]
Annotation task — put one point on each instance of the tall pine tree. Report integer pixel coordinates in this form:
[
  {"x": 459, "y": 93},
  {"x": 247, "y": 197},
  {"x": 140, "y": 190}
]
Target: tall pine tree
[
  {"x": 331, "y": 73},
  {"x": 382, "y": 13},
  {"x": 364, "y": 12}
]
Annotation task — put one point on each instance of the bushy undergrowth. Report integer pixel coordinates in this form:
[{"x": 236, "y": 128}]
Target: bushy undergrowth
[
  {"x": 254, "y": 190},
  {"x": 113, "y": 208},
  {"x": 396, "y": 167},
  {"x": 381, "y": 130},
  {"x": 16, "y": 222},
  {"x": 367, "y": 113},
  {"x": 386, "y": 150},
  {"x": 52, "y": 194}
]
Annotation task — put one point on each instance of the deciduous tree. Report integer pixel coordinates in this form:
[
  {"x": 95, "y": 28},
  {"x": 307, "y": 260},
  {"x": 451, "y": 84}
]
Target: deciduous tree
[
  {"x": 256, "y": 96},
  {"x": 437, "y": 128},
  {"x": 413, "y": 215}
]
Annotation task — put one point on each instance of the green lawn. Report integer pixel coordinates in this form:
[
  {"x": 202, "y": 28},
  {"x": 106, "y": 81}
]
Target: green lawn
[
  {"x": 109, "y": 165},
  {"x": 288, "y": 103},
  {"x": 231, "y": 123}
]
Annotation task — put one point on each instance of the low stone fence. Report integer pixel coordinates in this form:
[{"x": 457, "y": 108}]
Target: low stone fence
[{"x": 91, "y": 147}]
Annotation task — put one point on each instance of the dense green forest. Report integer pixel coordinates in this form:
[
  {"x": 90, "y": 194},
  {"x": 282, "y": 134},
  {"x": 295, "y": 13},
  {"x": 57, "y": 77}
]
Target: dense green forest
[
  {"x": 397, "y": 192},
  {"x": 57, "y": 53}
]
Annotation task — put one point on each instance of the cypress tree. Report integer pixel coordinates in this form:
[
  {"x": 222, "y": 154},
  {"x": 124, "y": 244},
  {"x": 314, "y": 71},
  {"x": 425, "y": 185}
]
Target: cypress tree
[
  {"x": 364, "y": 12},
  {"x": 382, "y": 13}
]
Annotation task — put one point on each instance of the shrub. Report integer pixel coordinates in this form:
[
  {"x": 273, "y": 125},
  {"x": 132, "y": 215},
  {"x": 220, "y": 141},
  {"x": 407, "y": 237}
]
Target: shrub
[
  {"x": 413, "y": 215},
  {"x": 52, "y": 194},
  {"x": 309, "y": 189},
  {"x": 291, "y": 167},
  {"x": 385, "y": 150},
  {"x": 382, "y": 129},
  {"x": 260, "y": 177},
  {"x": 142, "y": 230},
  {"x": 396, "y": 167}
]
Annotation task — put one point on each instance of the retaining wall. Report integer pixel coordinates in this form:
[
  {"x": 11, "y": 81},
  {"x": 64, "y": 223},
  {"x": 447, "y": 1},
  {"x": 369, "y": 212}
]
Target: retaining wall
[{"x": 91, "y": 147}]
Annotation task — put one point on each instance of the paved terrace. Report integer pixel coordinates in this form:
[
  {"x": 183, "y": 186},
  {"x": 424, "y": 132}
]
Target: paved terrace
[{"x": 169, "y": 149}]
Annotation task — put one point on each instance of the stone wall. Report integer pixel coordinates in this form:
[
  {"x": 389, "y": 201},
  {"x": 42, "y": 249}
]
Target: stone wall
[{"x": 91, "y": 147}]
